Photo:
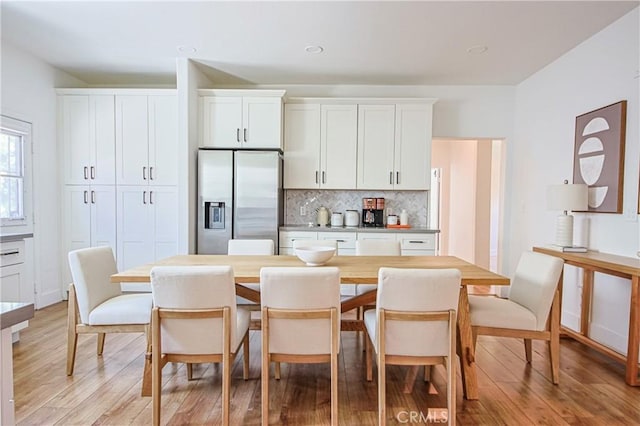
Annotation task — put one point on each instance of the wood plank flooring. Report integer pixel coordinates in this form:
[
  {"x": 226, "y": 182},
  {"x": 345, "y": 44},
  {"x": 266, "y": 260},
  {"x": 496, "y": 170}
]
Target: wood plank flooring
[{"x": 106, "y": 390}]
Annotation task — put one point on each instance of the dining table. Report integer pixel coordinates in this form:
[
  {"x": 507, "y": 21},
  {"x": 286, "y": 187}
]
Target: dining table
[{"x": 353, "y": 270}]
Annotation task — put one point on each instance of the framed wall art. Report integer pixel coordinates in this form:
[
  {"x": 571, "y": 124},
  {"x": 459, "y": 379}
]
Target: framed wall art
[{"x": 599, "y": 156}]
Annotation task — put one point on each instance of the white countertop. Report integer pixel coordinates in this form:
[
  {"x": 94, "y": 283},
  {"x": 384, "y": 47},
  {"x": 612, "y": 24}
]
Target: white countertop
[{"x": 306, "y": 228}]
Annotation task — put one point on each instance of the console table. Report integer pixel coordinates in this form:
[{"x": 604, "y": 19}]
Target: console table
[{"x": 619, "y": 266}]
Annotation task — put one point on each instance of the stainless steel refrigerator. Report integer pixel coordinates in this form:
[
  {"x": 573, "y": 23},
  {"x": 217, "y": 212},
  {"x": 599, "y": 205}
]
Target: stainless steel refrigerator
[{"x": 239, "y": 196}]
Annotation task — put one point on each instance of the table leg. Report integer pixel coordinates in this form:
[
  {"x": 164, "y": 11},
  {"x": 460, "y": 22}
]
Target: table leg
[
  {"x": 634, "y": 334},
  {"x": 465, "y": 348},
  {"x": 587, "y": 295}
]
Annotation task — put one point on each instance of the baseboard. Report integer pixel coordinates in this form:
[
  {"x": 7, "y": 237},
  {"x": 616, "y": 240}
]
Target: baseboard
[
  {"x": 609, "y": 338},
  {"x": 49, "y": 298}
]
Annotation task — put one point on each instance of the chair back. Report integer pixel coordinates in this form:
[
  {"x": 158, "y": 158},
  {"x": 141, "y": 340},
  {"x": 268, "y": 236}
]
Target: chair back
[
  {"x": 194, "y": 287},
  {"x": 300, "y": 288},
  {"x": 251, "y": 247},
  {"x": 315, "y": 243},
  {"x": 534, "y": 284},
  {"x": 417, "y": 290},
  {"x": 377, "y": 248},
  {"x": 91, "y": 270}
]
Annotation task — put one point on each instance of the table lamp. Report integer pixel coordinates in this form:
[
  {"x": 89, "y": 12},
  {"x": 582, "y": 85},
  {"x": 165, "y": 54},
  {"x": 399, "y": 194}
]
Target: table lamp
[{"x": 566, "y": 197}]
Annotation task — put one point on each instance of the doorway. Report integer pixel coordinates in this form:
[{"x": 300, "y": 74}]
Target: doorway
[{"x": 466, "y": 198}]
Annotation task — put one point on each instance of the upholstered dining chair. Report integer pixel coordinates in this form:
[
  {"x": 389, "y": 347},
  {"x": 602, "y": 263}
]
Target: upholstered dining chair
[
  {"x": 98, "y": 306},
  {"x": 414, "y": 326},
  {"x": 300, "y": 323},
  {"x": 374, "y": 248},
  {"x": 195, "y": 320},
  {"x": 530, "y": 312}
]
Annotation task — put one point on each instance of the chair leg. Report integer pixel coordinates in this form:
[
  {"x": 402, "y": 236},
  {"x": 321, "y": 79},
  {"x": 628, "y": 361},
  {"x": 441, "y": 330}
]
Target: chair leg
[
  {"x": 428, "y": 372},
  {"x": 265, "y": 367},
  {"x": 382, "y": 387},
  {"x": 528, "y": 353},
  {"x": 367, "y": 357},
  {"x": 72, "y": 336},
  {"x": 189, "y": 371},
  {"x": 554, "y": 355},
  {"x": 245, "y": 357},
  {"x": 156, "y": 369},
  {"x": 277, "y": 372},
  {"x": 101, "y": 337},
  {"x": 451, "y": 388}
]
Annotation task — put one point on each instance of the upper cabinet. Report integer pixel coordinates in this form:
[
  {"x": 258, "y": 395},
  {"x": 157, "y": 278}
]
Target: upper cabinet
[
  {"x": 320, "y": 146},
  {"x": 247, "y": 119},
  {"x": 358, "y": 143},
  {"x": 88, "y": 137},
  {"x": 394, "y": 146},
  {"x": 146, "y": 139}
]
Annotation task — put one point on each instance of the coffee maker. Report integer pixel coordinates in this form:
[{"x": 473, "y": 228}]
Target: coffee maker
[{"x": 373, "y": 212}]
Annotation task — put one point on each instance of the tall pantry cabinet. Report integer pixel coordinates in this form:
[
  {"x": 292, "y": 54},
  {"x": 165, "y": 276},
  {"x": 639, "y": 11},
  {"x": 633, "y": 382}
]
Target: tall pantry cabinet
[{"x": 119, "y": 150}]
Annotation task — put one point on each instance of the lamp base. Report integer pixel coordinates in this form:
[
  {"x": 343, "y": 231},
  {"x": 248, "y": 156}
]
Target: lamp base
[{"x": 564, "y": 230}]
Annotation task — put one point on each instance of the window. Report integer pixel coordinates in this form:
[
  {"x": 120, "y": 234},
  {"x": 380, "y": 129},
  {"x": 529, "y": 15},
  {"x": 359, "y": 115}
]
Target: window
[{"x": 15, "y": 150}]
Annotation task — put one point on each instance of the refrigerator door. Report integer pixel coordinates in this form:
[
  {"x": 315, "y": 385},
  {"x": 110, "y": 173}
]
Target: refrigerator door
[
  {"x": 258, "y": 195},
  {"x": 215, "y": 201}
]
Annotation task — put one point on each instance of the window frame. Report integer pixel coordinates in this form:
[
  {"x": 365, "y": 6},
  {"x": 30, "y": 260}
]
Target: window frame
[{"x": 22, "y": 128}]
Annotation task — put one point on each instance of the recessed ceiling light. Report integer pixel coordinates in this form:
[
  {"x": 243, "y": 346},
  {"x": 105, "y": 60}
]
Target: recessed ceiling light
[
  {"x": 314, "y": 49},
  {"x": 477, "y": 50},
  {"x": 187, "y": 49}
]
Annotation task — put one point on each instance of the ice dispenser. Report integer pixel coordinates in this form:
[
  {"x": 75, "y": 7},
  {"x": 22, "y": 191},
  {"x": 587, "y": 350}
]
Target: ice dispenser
[{"x": 214, "y": 215}]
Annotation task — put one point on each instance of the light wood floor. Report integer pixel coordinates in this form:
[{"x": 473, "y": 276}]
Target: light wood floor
[{"x": 106, "y": 390}]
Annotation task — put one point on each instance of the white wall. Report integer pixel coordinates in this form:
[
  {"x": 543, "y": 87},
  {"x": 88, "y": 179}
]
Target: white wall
[
  {"x": 598, "y": 72},
  {"x": 28, "y": 94}
]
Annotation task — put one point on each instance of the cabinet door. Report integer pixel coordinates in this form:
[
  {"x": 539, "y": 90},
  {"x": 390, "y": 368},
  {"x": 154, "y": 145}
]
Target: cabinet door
[
  {"x": 88, "y": 137},
  {"x": 133, "y": 223},
  {"x": 132, "y": 140},
  {"x": 103, "y": 216},
  {"x": 262, "y": 122},
  {"x": 221, "y": 121},
  {"x": 302, "y": 146},
  {"x": 413, "y": 147},
  {"x": 339, "y": 142},
  {"x": 77, "y": 224},
  {"x": 163, "y": 140},
  {"x": 164, "y": 220},
  {"x": 376, "y": 129}
]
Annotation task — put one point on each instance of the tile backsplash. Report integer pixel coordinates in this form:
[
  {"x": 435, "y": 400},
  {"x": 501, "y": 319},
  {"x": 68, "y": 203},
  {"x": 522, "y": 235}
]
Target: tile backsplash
[{"x": 414, "y": 202}]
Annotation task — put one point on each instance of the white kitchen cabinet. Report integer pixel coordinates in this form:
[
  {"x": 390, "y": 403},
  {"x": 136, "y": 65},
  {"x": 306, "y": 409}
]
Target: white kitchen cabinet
[
  {"x": 394, "y": 146},
  {"x": 241, "y": 119},
  {"x": 86, "y": 129},
  {"x": 89, "y": 219},
  {"x": 346, "y": 241},
  {"x": 146, "y": 139},
  {"x": 288, "y": 237},
  {"x": 376, "y": 132},
  {"x": 385, "y": 236},
  {"x": 320, "y": 146},
  {"x": 147, "y": 224},
  {"x": 412, "y": 148},
  {"x": 417, "y": 244}
]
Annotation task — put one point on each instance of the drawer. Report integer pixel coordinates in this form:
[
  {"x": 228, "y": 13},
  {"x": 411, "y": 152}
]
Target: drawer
[
  {"x": 377, "y": 236},
  {"x": 11, "y": 253},
  {"x": 346, "y": 240},
  {"x": 417, "y": 241},
  {"x": 288, "y": 237}
]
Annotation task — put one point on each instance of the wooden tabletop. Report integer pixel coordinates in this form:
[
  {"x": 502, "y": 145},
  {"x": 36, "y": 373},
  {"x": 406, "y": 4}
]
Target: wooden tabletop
[
  {"x": 353, "y": 269},
  {"x": 624, "y": 266}
]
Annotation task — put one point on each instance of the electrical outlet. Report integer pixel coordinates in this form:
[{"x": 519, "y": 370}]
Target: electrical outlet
[
  {"x": 630, "y": 214},
  {"x": 303, "y": 210}
]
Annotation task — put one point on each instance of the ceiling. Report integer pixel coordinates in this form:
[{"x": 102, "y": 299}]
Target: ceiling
[{"x": 245, "y": 43}]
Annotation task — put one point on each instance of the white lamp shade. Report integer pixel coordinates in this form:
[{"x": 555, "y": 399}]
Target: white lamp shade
[{"x": 567, "y": 197}]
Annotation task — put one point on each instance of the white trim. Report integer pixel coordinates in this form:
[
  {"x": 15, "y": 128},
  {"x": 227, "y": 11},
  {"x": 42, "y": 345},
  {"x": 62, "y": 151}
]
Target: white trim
[
  {"x": 363, "y": 101},
  {"x": 241, "y": 92},
  {"x": 109, "y": 91}
]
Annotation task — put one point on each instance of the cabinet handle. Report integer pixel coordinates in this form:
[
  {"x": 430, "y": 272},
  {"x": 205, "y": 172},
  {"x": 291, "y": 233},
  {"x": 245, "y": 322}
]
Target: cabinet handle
[
  {"x": 85, "y": 195},
  {"x": 144, "y": 173},
  {"x": 150, "y": 197},
  {"x": 86, "y": 172},
  {"x": 390, "y": 178},
  {"x": 416, "y": 242},
  {"x": 93, "y": 197},
  {"x": 244, "y": 134},
  {"x": 151, "y": 173},
  {"x": 323, "y": 178},
  {"x": 341, "y": 241},
  {"x": 93, "y": 172},
  {"x": 9, "y": 253},
  {"x": 144, "y": 197},
  {"x": 238, "y": 135},
  {"x": 397, "y": 177},
  {"x": 316, "y": 176}
]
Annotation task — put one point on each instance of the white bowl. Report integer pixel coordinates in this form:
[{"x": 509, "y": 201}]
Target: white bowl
[{"x": 315, "y": 256}]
